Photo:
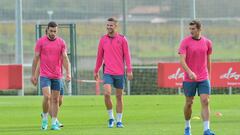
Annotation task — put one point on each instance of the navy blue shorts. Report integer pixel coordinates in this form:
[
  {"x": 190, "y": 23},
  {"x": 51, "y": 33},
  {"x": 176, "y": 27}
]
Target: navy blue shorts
[
  {"x": 190, "y": 88},
  {"x": 54, "y": 84},
  {"x": 116, "y": 80}
]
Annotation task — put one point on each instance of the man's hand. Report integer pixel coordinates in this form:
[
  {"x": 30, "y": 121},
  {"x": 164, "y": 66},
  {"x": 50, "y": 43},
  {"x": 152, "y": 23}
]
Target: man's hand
[
  {"x": 34, "y": 80},
  {"x": 68, "y": 77},
  {"x": 96, "y": 76},
  {"x": 192, "y": 75},
  {"x": 129, "y": 76}
]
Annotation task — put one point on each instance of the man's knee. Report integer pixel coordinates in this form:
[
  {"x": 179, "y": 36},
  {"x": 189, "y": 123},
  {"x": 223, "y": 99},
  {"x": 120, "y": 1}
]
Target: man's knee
[
  {"x": 119, "y": 97},
  {"x": 55, "y": 100},
  {"x": 55, "y": 97},
  {"x": 46, "y": 94},
  {"x": 47, "y": 98},
  {"x": 189, "y": 103},
  {"x": 107, "y": 90},
  {"x": 107, "y": 93},
  {"x": 205, "y": 101}
]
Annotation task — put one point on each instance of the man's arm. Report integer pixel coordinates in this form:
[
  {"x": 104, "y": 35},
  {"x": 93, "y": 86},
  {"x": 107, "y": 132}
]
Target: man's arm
[
  {"x": 184, "y": 65},
  {"x": 209, "y": 65},
  {"x": 127, "y": 57},
  {"x": 99, "y": 61},
  {"x": 209, "y": 52},
  {"x": 37, "y": 71},
  {"x": 34, "y": 67},
  {"x": 66, "y": 65}
]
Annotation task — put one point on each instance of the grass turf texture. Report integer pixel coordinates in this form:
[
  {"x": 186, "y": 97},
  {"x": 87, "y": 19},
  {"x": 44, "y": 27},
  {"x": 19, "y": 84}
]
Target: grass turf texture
[{"x": 143, "y": 115}]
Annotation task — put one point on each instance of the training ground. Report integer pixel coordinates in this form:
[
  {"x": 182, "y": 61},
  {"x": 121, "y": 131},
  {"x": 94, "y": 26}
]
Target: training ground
[{"x": 143, "y": 115}]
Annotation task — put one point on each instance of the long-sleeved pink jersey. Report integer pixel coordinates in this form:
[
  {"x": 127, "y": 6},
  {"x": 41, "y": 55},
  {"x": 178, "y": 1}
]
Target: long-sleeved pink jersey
[{"x": 114, "y": 53}]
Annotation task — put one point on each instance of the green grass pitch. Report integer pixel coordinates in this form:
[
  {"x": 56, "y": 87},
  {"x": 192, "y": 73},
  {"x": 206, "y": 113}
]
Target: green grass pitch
[{"x": 143, "y": 115}]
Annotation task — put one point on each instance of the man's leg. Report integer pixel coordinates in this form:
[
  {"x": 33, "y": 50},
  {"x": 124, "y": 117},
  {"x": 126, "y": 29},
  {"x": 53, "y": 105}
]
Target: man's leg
[
  {"x": 55, "y": 107},
  {"x": 56, "y": 87},
  {"x": 46, "y": 101},
  {"x": 119, "y": 107},
  {"x": 190, "y": 92},
  {"x": 188, "y": 114},
  {"x": 188, "y": 110},
  {"x": 108, "y": 104},
  {"x": 205, "y": 114},
  {"x": 108, "y": 80},
  {"x": 50, "y": 109},
  {"x": 119, "y": 84},
  {"x": 60, "y": 100},
  {"x": 55, "y": 103},
  {"x": 205, "y": 110},
  {"x": 119, "y": 97},
  {"x": 45, "y": 106},
  {"x": 45, "y": 87},
  {"x": 107, "y": 97},
  {"x": 204, "y": 92},
  {"x": 60, "y": 103}
]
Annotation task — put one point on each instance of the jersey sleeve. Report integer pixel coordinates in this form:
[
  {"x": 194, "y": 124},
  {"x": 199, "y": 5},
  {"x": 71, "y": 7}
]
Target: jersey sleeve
[
  {"x": 127, "y": 55},
  {"x": 38, "y": 47},
  {"x": 100, "y": 54},
  {"x": 209, "y": 43},
  {"x": 64, "y": 46},
  {"x": 182, "y": 48}
]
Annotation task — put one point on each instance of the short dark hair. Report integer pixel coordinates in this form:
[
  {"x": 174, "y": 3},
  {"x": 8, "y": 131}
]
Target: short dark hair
[
  {"x": 52, "y": 24},
  {"x": 112, "y": 19},
  {"x": 197, "y": 23}
]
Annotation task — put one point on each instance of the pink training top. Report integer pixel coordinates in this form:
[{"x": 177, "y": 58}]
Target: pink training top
[
  {"x": 51, "y": 59},
  {"x": 196, "y": 56},
  {"x": 114, "y": 51}
]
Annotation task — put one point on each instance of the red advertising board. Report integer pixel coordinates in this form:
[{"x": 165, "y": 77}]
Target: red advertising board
[
  {"x": 225, "y": 74},
  {"x": 170, "y": 75},
  {"x": 10, "y": 77}
]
